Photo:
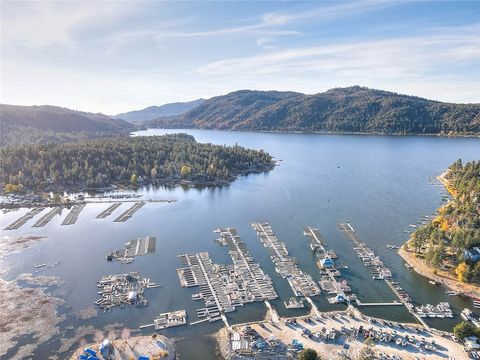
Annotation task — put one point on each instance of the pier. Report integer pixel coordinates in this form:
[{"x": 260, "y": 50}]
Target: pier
[
  {"x": 127, "y": 214},
  {"x": 72, "y": 216},
  {"x": 107, "y": 212},
  {"x": 225, "y": 287},
  {"x": 45, "y": 219},
  {"x": 22, "y": 220},
  {"x": 258, "y": 285},
  {"x": 328, "y": 270},
  {"x": 380, "y": 271},
  {"x": 137, "y": 247},
  {"x": 301, "y": 283}
]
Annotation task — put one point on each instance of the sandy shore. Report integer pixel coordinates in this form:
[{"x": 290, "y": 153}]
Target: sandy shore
[
  {"x": 347, "y": 344},
  {"x": 441, "y": 276}
]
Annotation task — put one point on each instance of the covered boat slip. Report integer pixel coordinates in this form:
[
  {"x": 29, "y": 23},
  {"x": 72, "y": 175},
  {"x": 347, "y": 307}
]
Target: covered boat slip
[
  {"x": 301, "y": 283},
  {"x": 224, "y": 287}
]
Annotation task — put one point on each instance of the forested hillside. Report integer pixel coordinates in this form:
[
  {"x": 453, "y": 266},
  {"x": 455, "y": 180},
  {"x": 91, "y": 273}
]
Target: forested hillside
[
  {"x": 138, "y": 117},
  {"x": 42, "y": 124},
  {"x": 457, "y": 227},
  {"x": 343, "y": 110},
  {"x": 168, "y": 159}
]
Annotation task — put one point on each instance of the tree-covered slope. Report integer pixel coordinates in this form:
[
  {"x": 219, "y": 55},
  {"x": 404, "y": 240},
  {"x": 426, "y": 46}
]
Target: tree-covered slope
[
  {"x": 41, "y": 124},
  {"x": 152, "y": 112},
  {"x": 167, "y": 159},
  {"x": 354, "y": 109},
  {"x": 457, "y": 227}
]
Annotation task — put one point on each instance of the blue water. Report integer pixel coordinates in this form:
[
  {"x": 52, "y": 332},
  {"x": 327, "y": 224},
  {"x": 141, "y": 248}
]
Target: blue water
[{"x": 380, "y": 184}]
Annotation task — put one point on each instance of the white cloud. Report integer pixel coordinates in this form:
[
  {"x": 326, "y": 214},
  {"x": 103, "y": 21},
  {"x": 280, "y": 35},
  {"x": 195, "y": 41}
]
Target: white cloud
[{"x": 37, "y": 24}]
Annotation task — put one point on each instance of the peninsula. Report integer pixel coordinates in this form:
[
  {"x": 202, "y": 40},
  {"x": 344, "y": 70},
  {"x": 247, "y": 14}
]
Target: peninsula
[{"x": 126, "y": 161}]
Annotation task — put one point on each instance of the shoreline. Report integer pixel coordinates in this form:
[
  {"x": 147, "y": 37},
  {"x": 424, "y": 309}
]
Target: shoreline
[
  {"x": 441, "y": 276},
  {"x": 305, "y": 132}
]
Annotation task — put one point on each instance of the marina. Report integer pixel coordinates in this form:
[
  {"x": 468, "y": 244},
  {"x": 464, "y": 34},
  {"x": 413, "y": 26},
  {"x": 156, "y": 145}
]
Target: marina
[
  {"x": 17, "y": 224},
  {"x": 224, "y": 287},
  {"x": 72, "y": 216},
  {"x": 328, "y": 270},
  {"x": 127, "y": 214},
  {"x": 108, "y": 211},
  {"x": 301, "y": 283},
  {"x": 380, "y": 271},
  {"x": 122, "y": 290},
  {"x": 45, "y": 219}
]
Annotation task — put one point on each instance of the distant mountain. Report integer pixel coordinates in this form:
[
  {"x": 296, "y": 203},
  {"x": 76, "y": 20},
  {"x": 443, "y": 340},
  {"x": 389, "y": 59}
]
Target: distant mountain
[
  {"x": 40, "y": 124},
  {"x": 153, "y": 112},
  {"x": 343, "y": 110}
]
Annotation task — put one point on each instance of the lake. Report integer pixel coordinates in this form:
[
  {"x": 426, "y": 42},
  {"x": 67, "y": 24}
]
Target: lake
[{"x": 380, "y": 184}]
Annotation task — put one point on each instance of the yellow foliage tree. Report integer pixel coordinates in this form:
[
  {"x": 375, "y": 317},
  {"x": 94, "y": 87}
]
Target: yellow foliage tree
[
  {"x": 185, "y": 170},
  {"x": 460, "y": 270}
]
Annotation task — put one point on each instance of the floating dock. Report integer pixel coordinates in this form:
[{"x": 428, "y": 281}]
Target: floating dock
[
  {"x": 294, "y": 303},
  {"x": 137, "y": 247},
  {"x": 171, "y": 319},
  {"x": 121, "y": 290},
  {"x": 328, "y": 270},
  {"x": 129, "y": 212},
  {"x": 301, "y": 283},
  {"x": 72, "y": 216},
  {"x": 21, "y": 221},
  {"x": 257, "y": 286},
  {"x": 107, "y": 212},
  {"x": 379, "y": 270},
  {"x": 202, "y": 272},
  {"x": 224, "y": 287},
  {"x": 45, "y": 219}
]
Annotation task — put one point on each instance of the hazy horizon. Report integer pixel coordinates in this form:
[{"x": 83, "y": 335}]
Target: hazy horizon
[{"x": 115, "y": 57}]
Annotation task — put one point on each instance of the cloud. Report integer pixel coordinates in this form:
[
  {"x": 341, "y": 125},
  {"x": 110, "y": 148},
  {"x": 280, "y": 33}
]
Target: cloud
[
  {"x": 398, "y": 57},
  {"x": 37, "y": 24}
]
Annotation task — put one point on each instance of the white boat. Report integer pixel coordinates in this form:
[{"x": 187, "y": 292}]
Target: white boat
[{"x": 40, "y": 265}]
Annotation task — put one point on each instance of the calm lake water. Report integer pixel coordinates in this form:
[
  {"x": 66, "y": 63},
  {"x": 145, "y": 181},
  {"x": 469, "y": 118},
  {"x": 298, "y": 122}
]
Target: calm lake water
[{"x": 380, "y": 184}]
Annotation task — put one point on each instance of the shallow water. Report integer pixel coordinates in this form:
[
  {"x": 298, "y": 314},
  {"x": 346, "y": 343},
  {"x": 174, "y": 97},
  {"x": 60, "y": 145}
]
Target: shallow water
[{"x": 380, "y": 184}]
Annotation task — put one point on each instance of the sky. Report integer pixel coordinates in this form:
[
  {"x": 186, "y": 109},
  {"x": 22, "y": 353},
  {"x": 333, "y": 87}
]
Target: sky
[{"x": 117, "y": 56}]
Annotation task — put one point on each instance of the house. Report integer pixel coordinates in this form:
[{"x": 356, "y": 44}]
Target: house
[{"x": 472, "y": 254}]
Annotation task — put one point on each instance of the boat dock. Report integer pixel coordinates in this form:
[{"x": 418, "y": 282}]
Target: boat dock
[
  {"x": 22, "y": 220},
  {"x": 225, "y": 287},
  {"x": 328, "y": 270},
  {"x": 316, "y": 239},
  {"x": 294, "y": 303},
  {"x": 137, "y": 247},
  {"x": 45, "y": 219},
  {"x": 72, "y": 216},
  {"x": 121, "y": 290},
  {"x": 127, "y": 214},
  {"x": 202, "y": 272},
  {"x": 168, "y": 320},
  {"x": 379, "y": 270},
  {"x": 108, "y": 211},
  {"x": 301, "y": 283},
  {"x": 258, "y": 285}
]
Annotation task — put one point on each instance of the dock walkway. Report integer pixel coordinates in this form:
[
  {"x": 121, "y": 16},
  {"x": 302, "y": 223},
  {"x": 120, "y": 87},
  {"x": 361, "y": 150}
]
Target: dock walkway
[
  {"x": 127, "y": 214},
  {"x": 22, "y": 220},
  {"x": 72, "y": 216},
  {"x": 45, "y": 219},
  {"x": 107, "y": 212},
  {"x": 301, "y": 283}
]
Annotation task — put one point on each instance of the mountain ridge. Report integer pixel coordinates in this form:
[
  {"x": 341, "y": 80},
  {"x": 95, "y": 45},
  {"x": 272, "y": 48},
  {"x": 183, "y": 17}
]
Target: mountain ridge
[
  {"x": 152, "y": 112},
  {"x": 341, "y": 110}
]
